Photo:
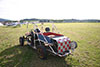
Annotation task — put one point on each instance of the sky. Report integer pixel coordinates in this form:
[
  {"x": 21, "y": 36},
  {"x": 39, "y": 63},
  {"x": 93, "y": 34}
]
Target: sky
[{"x": 50, "y": 9}]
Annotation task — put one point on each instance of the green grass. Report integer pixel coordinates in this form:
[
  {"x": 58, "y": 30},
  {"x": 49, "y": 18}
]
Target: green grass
[{"x": 87, "y": 35}]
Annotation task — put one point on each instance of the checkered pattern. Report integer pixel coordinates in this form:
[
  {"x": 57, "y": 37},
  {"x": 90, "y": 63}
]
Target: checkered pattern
[{"x": 63, "y": 45}]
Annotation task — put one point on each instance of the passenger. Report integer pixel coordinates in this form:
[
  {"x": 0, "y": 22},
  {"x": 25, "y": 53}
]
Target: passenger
[{"x": 47, "y": 29}]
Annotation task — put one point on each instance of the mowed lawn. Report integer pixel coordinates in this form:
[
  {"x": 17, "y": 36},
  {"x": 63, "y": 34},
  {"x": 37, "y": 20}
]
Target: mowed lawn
[{"x": 87, "y": 35}]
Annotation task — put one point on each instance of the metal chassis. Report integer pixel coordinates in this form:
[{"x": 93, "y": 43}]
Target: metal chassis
[{"x": 49, "y": 44}]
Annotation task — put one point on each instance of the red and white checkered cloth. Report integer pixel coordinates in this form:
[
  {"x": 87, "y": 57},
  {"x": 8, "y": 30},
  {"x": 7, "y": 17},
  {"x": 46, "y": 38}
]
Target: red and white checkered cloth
[{"x": 63, "y": 44}]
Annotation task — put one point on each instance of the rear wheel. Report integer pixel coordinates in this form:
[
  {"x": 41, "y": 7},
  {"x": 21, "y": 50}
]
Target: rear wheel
[
  {"x": 41, "y": 51},
  {"x": 73, "y": 44},
  {"x": 21, "y": 41}
]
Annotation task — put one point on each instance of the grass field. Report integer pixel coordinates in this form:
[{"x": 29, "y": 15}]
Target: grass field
[{"x": 87, "y": 35}]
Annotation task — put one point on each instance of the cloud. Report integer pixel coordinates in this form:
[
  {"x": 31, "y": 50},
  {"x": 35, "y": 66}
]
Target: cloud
[{"x": 50, "y": 9}]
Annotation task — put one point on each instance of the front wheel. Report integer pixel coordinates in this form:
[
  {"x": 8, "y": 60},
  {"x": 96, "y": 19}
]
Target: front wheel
[
  {"x": 21, "y": 41},
  {"x": 41, "y": 51}
]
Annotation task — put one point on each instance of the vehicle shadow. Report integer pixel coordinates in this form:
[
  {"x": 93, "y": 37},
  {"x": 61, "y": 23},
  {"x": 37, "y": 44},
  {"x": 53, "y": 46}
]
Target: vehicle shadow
[{"x": 25, "y": 56}]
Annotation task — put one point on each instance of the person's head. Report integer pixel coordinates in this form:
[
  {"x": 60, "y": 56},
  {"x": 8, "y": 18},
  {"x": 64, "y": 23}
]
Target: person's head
[
  {"x": 47, "y": 29},
  {"x": 37, "y": 30}
]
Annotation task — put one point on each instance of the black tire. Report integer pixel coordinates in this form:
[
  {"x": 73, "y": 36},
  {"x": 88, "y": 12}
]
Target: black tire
[
  {"x": 41, "y": 51},
  {"x": 32, "y": 40},
  {"x": 21, "y": 41},
  {"x": 75, "y": 44}
]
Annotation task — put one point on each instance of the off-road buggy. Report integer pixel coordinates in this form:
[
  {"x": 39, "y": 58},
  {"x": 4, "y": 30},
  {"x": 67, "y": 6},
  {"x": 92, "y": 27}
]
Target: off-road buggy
[{"x": 47, "y": 41}]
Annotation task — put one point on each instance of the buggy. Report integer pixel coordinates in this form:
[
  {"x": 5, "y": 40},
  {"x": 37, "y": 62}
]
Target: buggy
[{"x": 48, "y": 42}]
